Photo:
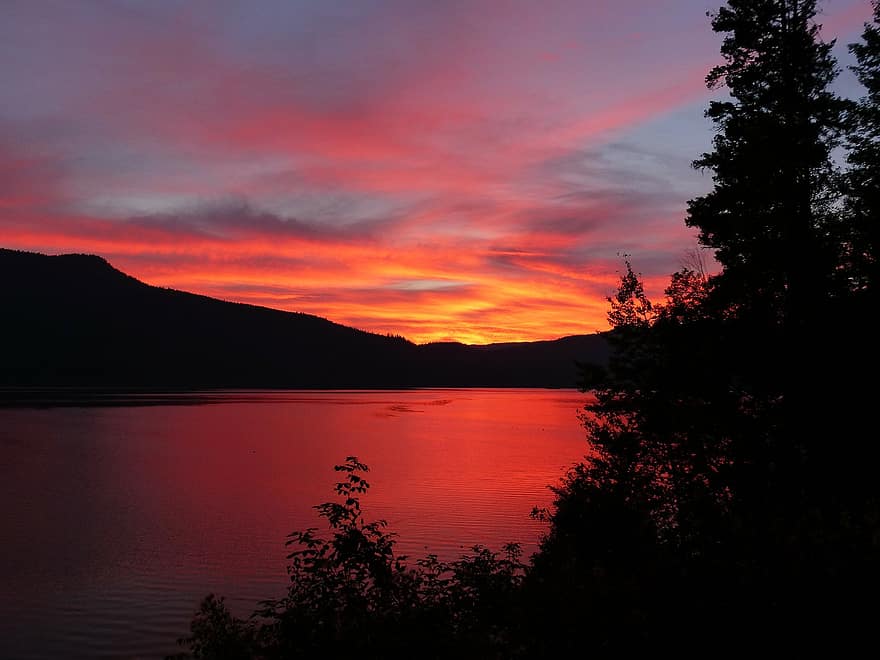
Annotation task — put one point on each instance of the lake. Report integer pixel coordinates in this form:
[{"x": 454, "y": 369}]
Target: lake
[{"x": 118, "y": 519}]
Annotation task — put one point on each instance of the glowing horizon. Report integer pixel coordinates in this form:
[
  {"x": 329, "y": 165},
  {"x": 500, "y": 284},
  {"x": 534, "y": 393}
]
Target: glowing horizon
[{"x": 457, "y": 171}]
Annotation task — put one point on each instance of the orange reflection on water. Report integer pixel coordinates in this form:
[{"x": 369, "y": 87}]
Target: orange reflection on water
[{"x": 158, "y": 506}]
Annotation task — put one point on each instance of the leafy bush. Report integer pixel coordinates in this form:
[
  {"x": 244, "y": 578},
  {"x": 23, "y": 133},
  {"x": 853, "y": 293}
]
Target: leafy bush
[{"x": 349, "y": 594}]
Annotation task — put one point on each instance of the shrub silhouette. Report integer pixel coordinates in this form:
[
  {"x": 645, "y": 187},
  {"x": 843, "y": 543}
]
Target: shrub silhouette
[{"x": 350, "y": 593}]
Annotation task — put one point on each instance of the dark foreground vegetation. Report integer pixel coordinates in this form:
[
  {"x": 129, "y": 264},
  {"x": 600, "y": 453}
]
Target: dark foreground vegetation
[
  {"x": 731, "y": 501},
  {"x": 350, "y": 594}
]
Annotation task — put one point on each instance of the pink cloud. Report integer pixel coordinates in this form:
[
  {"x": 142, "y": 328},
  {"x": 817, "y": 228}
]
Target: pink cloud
[{"x": 442, "y": 171}]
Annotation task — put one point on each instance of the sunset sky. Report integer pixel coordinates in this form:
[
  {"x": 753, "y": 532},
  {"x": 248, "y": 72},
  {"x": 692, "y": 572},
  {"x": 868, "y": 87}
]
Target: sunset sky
[{"x": 441, "y": 170}]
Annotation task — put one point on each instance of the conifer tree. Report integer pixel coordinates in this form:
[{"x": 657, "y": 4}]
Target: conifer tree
[
  {"x": 772, "y": 218},
  {"x": 703, "y": 422},
  {"x": 768, "y": 216},
  {"x": 864, "y": 158}
]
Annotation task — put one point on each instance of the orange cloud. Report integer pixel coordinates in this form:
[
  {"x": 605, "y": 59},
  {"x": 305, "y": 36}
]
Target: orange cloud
[{"x": 414, "y": 172}]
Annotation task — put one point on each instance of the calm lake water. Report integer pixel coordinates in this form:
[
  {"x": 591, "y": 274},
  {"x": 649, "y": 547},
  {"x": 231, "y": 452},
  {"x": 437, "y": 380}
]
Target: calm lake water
[{"x": 117, "y": 520}]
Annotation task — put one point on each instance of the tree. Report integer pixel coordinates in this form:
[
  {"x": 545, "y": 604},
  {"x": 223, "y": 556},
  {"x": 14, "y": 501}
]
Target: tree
[
  {"x": 773, "y": 220},
  {"x": 768, "y": 217},
  {"x": 705, "y": 425},
  {"x": 863, "y": 178}
]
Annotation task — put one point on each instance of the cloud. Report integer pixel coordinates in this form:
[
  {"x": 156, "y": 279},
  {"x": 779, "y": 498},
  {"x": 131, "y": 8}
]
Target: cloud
[
  {"x": 453, "y": 170},
  {"x": 237, "y": 220}
]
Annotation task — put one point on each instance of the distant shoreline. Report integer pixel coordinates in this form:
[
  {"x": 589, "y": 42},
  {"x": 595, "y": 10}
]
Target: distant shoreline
[
  {"x": 87, "y": 397},
  {"x": 77, "y": 324}
]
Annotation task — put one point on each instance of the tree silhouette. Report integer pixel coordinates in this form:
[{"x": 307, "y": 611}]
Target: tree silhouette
[
  {"x": 768, "y": 216},
  {"x": 715, "y": 443},
  {"x": 350, "y": 595},
  {"x": 864, "y": 175}
]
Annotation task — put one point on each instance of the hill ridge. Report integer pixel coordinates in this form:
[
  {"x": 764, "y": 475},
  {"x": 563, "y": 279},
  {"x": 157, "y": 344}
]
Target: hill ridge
[{"x": 76, "y": 320}]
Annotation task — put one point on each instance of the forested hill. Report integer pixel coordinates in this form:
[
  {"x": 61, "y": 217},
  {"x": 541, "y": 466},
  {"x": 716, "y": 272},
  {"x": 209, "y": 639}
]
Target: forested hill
[{"x": 74, "y": 320}]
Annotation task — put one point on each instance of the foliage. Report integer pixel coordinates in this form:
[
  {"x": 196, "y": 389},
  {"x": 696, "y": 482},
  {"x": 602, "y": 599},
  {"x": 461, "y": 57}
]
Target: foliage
[
  {"x": 769, "y": 217},
  {"x": 863, "y": 178},
  {"x": 350, "y": 593},
  {"x": 215, "y": 633},
  {"x": 715, "y": 490}
]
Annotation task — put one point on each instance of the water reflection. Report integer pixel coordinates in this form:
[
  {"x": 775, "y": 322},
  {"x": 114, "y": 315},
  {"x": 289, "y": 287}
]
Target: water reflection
[{"x": 118, "y": 519}]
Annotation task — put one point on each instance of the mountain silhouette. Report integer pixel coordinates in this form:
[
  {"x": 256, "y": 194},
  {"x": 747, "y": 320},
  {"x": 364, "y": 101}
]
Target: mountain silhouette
[{"x": 75, "y": 321}]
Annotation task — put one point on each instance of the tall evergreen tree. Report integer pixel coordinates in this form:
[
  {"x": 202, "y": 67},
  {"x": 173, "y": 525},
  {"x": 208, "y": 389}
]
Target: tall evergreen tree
[
  {"x": 706, "y": 423},
  {"x": 768, "y": 216},
  {"x": 773, "y": 222},
  {"x": 864, "y": 175}
]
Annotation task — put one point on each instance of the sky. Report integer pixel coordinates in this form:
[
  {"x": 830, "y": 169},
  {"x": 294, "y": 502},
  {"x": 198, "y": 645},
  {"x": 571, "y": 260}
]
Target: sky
[{"x": 468, "y": 171}]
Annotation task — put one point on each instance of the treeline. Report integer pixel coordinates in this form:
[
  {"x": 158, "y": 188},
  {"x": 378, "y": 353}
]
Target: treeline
[{"x": 730, "y": 502}]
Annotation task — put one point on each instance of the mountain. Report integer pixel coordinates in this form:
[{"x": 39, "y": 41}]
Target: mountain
[{"x": 75, "y": 321}]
